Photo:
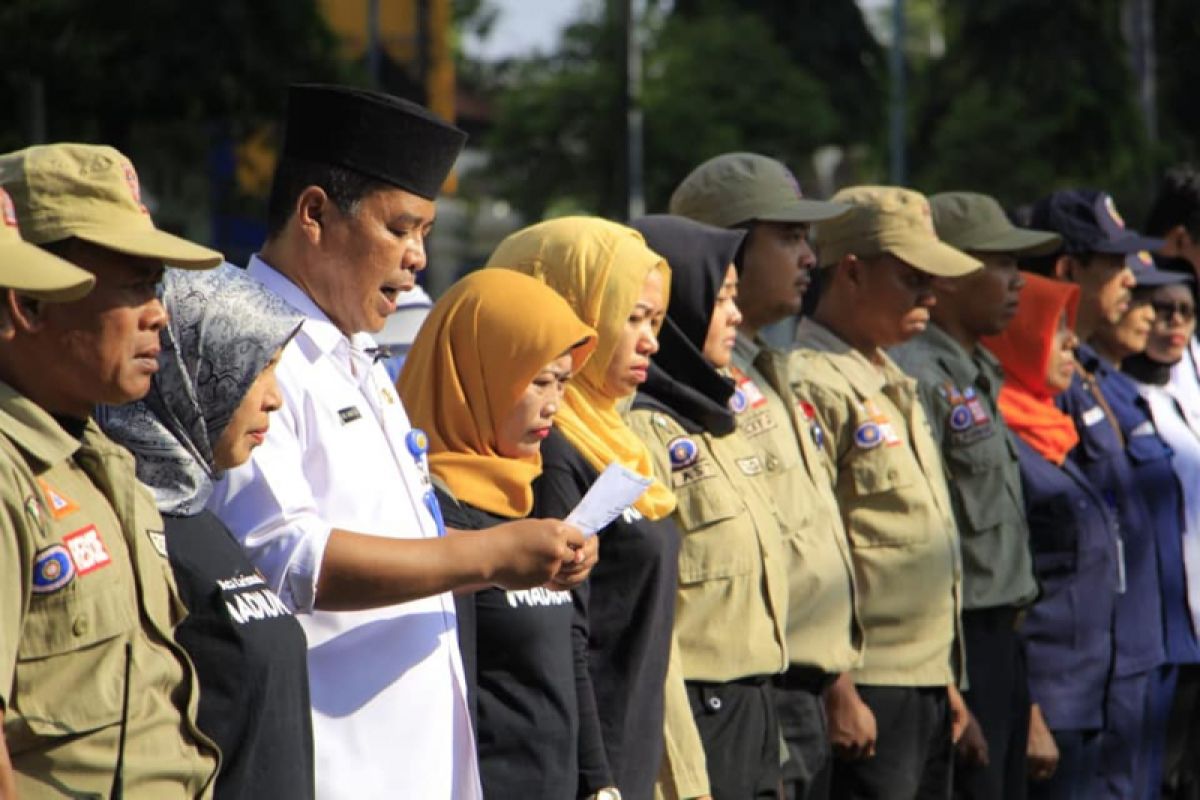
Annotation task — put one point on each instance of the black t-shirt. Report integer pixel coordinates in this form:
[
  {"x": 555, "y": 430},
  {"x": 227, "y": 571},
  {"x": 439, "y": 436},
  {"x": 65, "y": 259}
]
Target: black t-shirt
[
  {"x": 250, "y": 655},
  {"x": 520, "y": 680},
  {"x": 625, "y": 613}
]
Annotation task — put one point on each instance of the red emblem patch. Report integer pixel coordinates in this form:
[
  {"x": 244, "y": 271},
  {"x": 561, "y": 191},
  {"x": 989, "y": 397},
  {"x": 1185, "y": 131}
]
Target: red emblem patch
[
  {"x": 87, "y": 550},
  {"x": 6, "y": 210}
]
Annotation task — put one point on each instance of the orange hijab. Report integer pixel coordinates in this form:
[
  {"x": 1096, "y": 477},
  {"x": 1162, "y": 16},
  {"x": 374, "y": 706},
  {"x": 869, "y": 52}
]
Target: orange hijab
[
  {"x": 600, "y": 268},
  {"x": 1023, "y": 349},
  {"x": 477, "y": 351}
]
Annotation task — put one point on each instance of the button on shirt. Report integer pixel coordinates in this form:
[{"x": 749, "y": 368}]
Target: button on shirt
[
  {"x": 390, "y": 716},
  {"x": 959, "y": 392},
  {"x": 892, "y": 491},
  {"x": 822, "y": 629}
]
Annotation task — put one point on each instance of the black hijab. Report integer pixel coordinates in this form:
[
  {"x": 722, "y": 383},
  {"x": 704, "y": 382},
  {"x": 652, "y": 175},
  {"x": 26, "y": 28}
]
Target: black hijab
[{"x": 680, "y": 381}]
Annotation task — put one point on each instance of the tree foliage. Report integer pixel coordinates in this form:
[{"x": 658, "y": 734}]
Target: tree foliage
[
  {"x": 1030, "y": 96},
  {"x": 711, "y": 84}
]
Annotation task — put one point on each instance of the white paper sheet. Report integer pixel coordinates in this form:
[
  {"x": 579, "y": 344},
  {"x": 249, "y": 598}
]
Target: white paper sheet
[{"x": 615, "y": 490}]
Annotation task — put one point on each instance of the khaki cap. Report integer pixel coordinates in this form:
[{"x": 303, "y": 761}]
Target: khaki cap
[
  {"x": 733, "y": 188},
  {"x": 889, "y": 219},
  {"x": 30, "y": 269},
  {"x": 975, "y": 222},
  {"x": 90, "y": 192}
]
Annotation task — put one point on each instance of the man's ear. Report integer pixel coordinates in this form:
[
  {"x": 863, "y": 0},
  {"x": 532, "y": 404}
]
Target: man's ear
[
  {"x": 312, "y": 212},
  {"x": 851, "y": 270},
  {"x": 20, "y": 313},
  {"x": 1066, "y": 268}
]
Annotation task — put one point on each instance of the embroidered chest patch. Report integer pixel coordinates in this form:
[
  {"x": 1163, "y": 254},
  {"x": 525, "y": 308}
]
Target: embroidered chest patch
[
  {"x": 683, "y": 452},
  {"x": 746, "y": 395},
  {"x": 87, "y": 550},
  {"x": 877, "y": 430},
  {"x": 52, "y": 569}
]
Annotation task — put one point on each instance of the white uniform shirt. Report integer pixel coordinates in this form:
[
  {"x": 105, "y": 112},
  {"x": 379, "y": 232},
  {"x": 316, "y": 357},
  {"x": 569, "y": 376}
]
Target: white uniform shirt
[
  {"x": 1171, "y": 418},
  {"x": 389, "y": 705}
]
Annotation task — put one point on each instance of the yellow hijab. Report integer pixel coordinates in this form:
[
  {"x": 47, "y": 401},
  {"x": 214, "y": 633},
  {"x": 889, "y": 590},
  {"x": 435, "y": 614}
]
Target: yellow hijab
[
  {"x": 600, "y": 267},
  {"x": 477, "y": 351}
]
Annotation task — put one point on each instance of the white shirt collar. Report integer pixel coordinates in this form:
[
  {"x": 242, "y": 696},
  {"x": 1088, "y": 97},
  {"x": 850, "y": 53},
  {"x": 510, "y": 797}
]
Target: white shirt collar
[{"x": 323, "y": 333}]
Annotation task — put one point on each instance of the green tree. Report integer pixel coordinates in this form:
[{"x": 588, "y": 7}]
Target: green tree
[
  {"x": 712, "y": 84},
  {"x": 165, "y": 82},
  {"x": 1178, "y": 30},
  {"x": 1018, "y": 109}
]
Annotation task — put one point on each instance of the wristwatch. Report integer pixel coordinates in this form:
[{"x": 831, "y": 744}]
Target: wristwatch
[{"x": 607, "y": 793}]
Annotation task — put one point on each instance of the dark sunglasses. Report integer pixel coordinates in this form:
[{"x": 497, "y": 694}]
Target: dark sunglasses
[{"x": 1164, "y": 311}]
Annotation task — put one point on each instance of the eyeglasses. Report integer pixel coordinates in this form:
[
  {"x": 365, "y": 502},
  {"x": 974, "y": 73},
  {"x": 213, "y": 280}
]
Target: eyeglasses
[{"x": 1164, "y": 311}]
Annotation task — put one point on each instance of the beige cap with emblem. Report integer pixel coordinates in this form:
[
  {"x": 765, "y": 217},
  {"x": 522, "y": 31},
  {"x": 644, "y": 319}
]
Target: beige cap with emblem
[
  {"x": 90, "y": 192},
  {"x": 893, "y": 220},
  {"x": 735, "y": 188},
  {"x": 30, "y": 269}
]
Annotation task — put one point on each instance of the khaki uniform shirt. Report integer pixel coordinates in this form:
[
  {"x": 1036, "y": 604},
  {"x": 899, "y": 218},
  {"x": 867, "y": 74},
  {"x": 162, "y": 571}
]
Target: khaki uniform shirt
[
  {"x": 731, "y": 607},
  {"x": 822, "y": 628},
  {"x": 87, "y": 610},
  {"x": 959, "y": 392},
  {"x": 892, "y": 492}
]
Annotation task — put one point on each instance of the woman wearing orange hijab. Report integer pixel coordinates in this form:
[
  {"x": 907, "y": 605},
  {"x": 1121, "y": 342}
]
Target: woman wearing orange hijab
[
  {"x": 619, "y": 286},
  {"x": 1068, "y": 632},
  {"x": 484, "y": 379}
]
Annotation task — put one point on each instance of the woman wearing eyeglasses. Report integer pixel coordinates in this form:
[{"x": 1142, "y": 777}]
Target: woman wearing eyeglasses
[{"x": 1173, "y": 310}]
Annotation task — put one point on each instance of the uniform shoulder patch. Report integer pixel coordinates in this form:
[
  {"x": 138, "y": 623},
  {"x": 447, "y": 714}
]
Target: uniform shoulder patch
[
  {"x": 683, "y": 452},
  {"x": 960, "y": 418},
  {"x": 52, "y": 569},
  {"x": 868, "y": 436},
  {"x": 59, "y": 504}
]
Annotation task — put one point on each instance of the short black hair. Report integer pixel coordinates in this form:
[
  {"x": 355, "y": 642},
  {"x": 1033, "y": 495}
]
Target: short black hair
[
  {"x": 345, "y": 187},
  {"x": 1177, "y": 202}
]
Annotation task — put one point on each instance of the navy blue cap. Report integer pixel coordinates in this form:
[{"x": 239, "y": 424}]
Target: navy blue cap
[
  {"x": 1088, "y": 222},
  {"x": 1145, "y": 270}
]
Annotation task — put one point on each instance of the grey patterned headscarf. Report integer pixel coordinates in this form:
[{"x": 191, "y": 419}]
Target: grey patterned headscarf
[{"x": 224, "y": 327}]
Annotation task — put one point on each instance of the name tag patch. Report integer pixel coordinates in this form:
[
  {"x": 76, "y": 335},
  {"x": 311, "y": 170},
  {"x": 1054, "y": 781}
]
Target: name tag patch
[
  {"x": 349, "y": 414},
  {"x": 1092, "y": 416},
  {"x": 692, "y": 474},
  {"x": 52, "y": 569},
  {"x": 87, "y": 550}
]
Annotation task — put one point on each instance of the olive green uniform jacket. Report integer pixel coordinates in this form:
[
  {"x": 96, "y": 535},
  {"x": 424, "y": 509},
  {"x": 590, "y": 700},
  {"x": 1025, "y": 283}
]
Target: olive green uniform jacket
[
  {"x": 892, "y": 492},
  {"x": 731, "y": 606},
  {"x": 823, "y": 630},
  {"x": 959, "y": 392},
  {"x": 87, "y": 612}
]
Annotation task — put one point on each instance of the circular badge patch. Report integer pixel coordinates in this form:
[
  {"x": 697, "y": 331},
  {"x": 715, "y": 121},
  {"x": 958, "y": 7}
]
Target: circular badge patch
[
  {"x": 417, "y": 442},
  {"x": 960, "y": 418},
  {"x": 868, "y": 435},
  {"x": 737, "y": 403},
  {"x": 683, "y": 452},
  {"x": 52, "y": 569}
]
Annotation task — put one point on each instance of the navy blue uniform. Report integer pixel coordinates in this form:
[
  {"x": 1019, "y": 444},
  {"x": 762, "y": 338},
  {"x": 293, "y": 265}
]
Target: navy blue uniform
[
  {"x": 1068, "y": 632},
  {"x": 1121, "y": 467}
]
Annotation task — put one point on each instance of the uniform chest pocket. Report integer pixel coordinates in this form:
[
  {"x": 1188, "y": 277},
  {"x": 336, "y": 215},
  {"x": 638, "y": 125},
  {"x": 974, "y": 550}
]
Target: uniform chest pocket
[
  {"x": 718, "y": 533},
  {"x": 71, "y": 661},
  {"x": 977, "y": 479},
  {"x": 879, "y": 471}
]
